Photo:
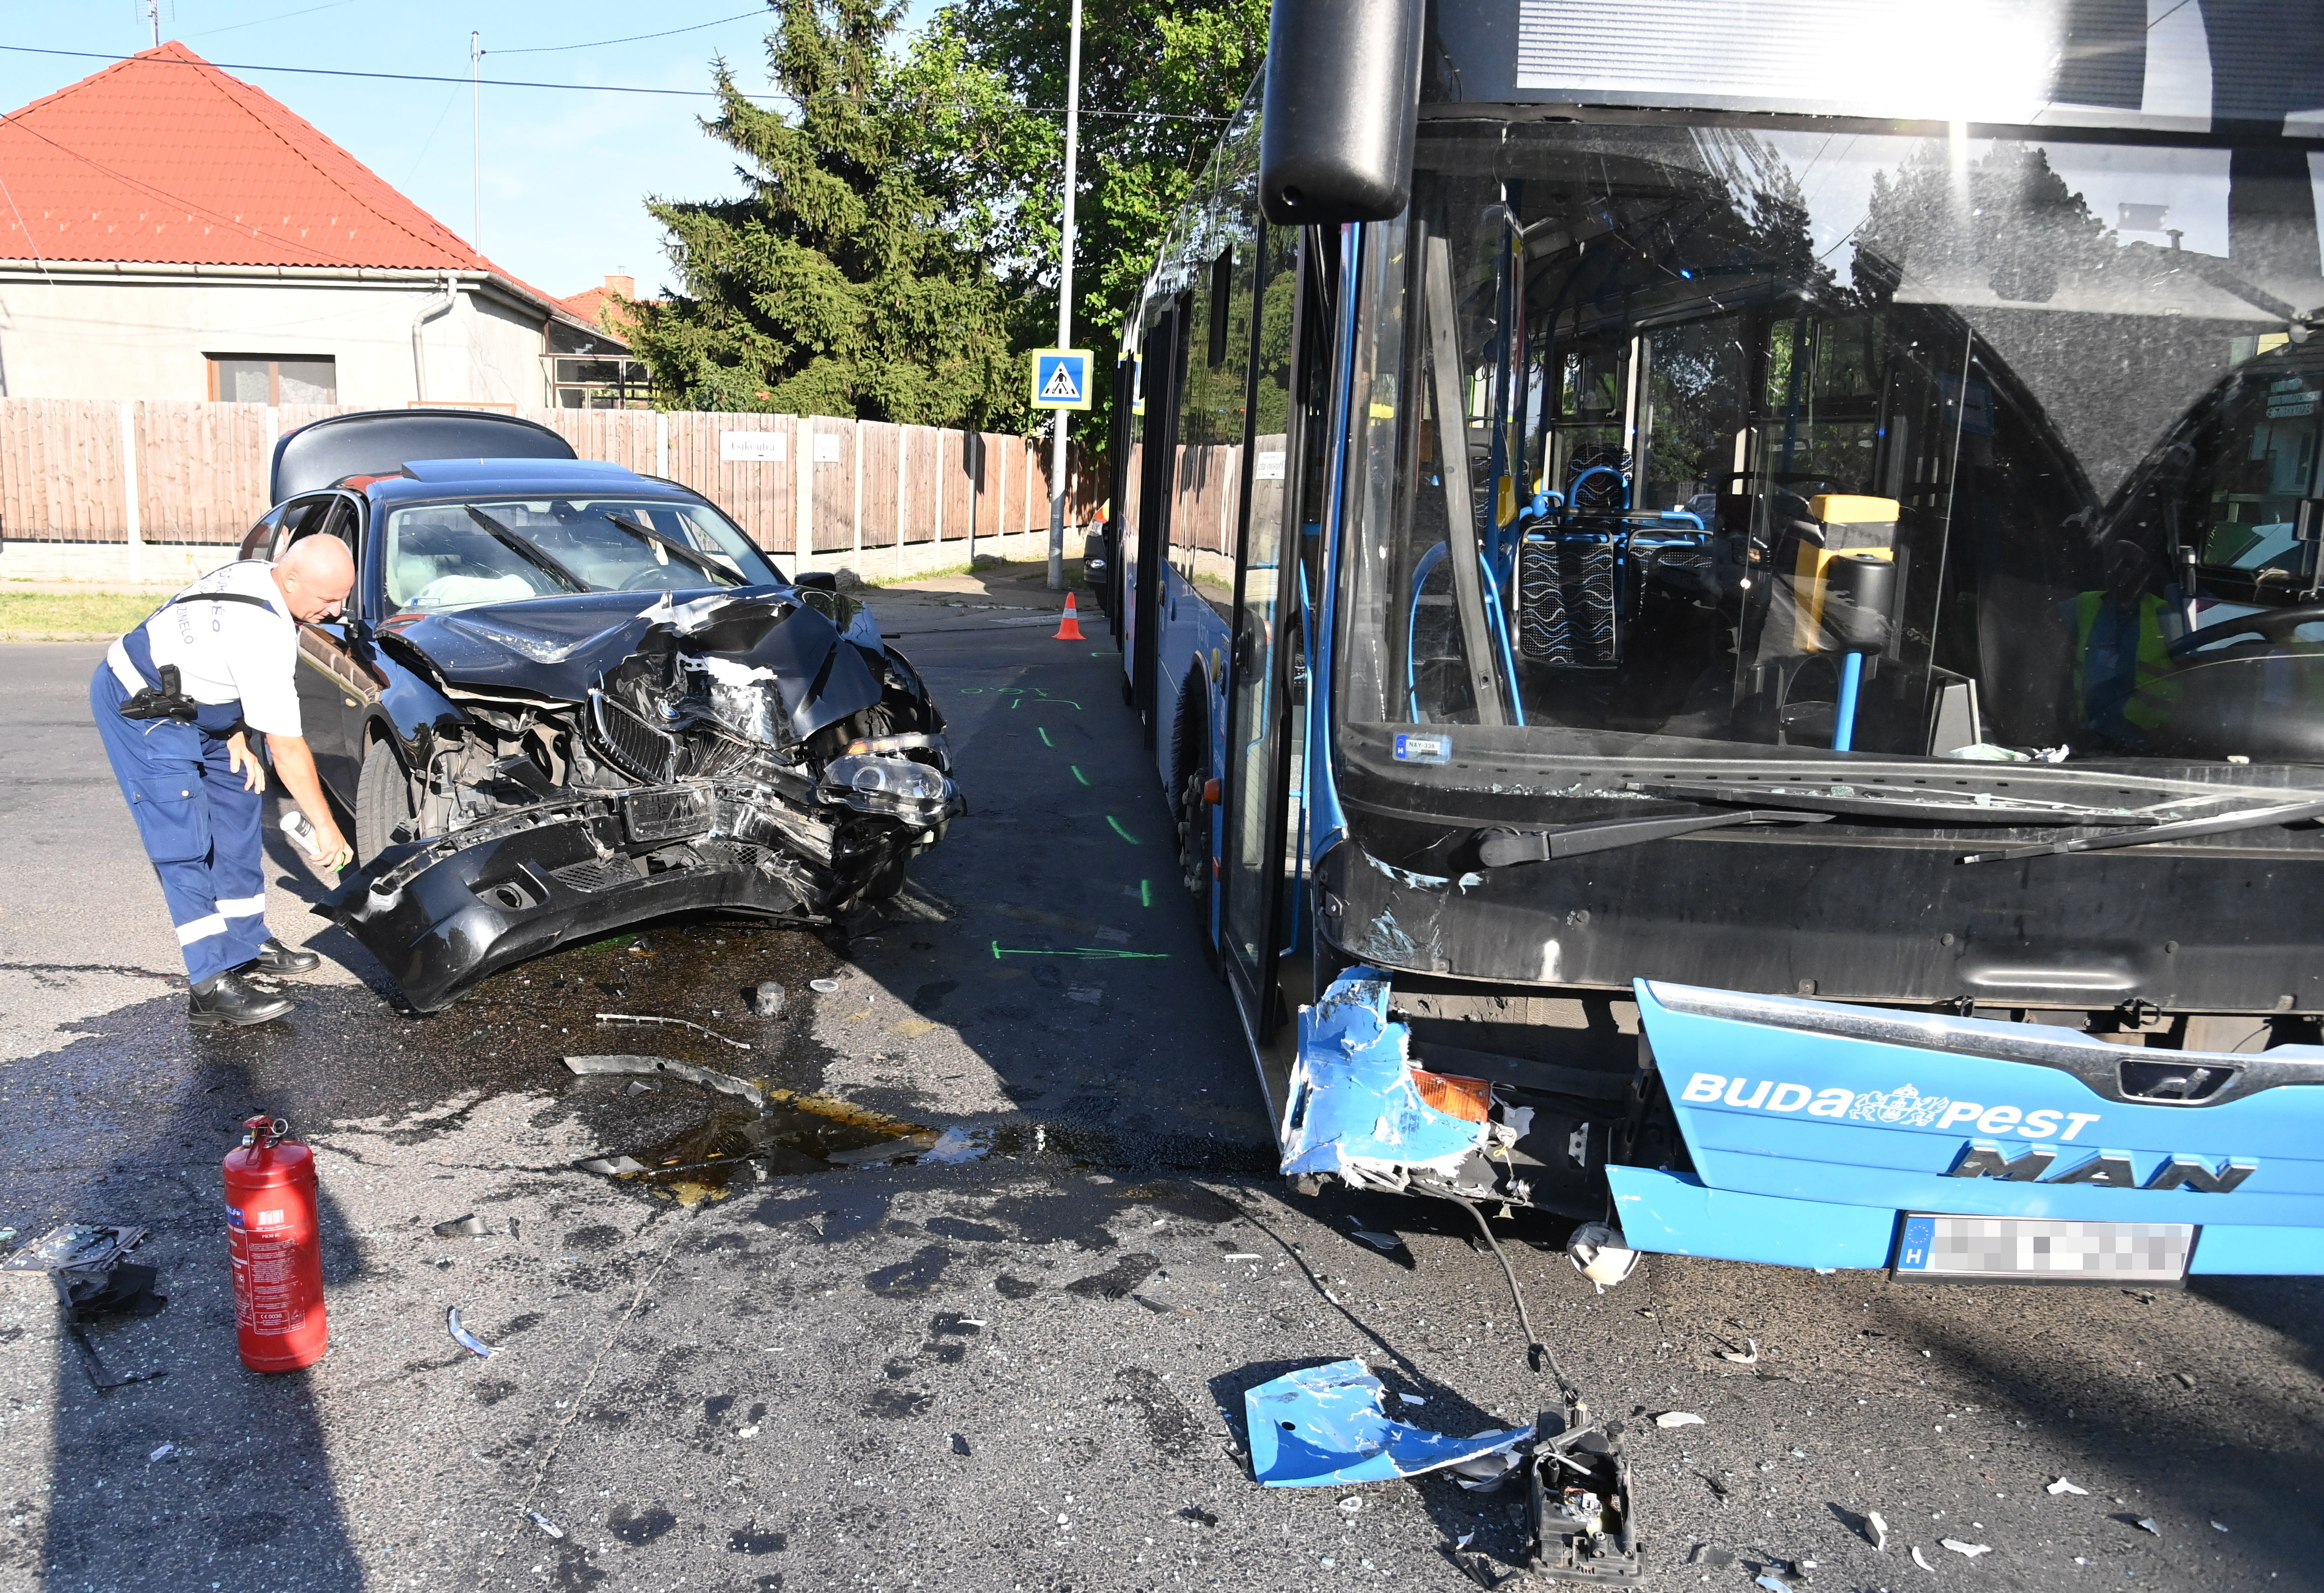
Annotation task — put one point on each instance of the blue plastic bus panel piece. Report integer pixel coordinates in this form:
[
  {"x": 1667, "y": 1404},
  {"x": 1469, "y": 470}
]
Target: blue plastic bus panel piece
[
  {"x": 1814, "y": 1128},
  {"x": 1324, "y": 1427},
  {"x": 1354, "y": 1107}
]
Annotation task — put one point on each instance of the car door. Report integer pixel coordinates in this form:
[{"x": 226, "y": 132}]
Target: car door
[{"x": 336, "y": 685}]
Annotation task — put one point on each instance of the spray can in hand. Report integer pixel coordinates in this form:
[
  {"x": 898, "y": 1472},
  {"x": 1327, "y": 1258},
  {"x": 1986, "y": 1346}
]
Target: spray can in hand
[{"x": 302, "y": 831}]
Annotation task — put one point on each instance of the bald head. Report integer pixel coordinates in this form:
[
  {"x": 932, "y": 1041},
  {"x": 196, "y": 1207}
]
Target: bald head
[{"x": 315, "y": 576}]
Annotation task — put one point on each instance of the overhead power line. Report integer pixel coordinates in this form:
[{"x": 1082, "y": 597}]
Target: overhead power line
[{"x": 632, "y": 38}]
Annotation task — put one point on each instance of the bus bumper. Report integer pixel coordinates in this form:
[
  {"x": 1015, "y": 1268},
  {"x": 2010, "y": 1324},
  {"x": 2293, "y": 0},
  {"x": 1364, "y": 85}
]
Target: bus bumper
[{"x": 1818, "y": 1132}]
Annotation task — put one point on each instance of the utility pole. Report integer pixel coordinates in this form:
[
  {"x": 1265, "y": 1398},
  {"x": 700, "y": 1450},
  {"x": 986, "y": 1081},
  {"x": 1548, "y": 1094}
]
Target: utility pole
[
  {"x": 1066, "y": 300},
  {"x": 476, "y": 138}
]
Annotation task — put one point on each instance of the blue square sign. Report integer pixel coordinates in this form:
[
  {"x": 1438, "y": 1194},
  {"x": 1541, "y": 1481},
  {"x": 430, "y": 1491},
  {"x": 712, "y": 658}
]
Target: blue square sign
[{"x": 1060, "y": 378}]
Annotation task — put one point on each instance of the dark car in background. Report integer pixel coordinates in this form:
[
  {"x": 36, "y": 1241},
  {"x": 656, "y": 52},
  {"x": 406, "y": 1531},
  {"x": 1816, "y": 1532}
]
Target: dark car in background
[{"x": 565, "y": 698}]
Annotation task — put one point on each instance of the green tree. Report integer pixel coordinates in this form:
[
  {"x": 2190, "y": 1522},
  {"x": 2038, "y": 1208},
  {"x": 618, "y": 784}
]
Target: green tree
[
  {"x": 1159, "y": 79},
  {"x": 841, "y": 283}
]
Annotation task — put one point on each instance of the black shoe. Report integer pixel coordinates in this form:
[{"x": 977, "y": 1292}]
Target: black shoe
[
  {"x": 281, "y": 961},
  {"x": 228, "y": 999}
]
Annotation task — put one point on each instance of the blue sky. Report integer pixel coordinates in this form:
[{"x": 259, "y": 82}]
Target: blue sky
[{"x": 566, "y": 174}]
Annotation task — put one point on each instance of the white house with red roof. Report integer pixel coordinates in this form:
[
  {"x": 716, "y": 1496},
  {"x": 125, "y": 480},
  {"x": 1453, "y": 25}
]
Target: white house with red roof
[{"x": 171, "y": 232}]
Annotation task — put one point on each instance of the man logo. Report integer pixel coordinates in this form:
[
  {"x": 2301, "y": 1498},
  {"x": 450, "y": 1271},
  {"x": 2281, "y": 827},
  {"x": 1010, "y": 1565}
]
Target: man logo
[{"x": 2109, "y": 1169}]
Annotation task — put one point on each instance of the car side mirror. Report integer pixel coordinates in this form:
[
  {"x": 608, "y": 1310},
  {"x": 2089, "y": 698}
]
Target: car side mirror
[{"x": 820, "y": 580}]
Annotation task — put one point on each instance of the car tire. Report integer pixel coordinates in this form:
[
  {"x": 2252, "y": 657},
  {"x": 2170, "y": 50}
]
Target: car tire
[
  {"x": 382, "y": 801},
  {"x": 888, "y": 884}
]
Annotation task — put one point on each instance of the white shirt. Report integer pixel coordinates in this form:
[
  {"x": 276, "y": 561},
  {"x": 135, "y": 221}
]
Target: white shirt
[{"x": 228, "y": 651}]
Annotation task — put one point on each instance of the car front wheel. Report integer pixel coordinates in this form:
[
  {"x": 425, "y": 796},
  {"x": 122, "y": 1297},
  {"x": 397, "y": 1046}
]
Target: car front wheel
[{"x": 383, "y": 802}]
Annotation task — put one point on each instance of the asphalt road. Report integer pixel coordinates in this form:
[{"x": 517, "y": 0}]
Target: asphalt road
[{"x": 1022, "y": 1371}]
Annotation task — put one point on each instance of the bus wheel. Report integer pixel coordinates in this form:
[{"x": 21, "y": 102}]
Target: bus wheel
[{"x": 1194, "y": 835}]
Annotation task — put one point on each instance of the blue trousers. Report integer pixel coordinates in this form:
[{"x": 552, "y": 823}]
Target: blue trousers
[{"x": 203, "y": 832}]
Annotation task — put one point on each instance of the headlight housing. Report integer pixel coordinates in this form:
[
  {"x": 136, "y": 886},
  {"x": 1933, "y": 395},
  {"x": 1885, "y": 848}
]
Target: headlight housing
[{"x": 896, "y": 780}]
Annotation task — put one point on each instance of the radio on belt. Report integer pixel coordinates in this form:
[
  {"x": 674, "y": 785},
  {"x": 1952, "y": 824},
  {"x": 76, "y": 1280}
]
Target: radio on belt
[{"x": 277, "y": 1254}]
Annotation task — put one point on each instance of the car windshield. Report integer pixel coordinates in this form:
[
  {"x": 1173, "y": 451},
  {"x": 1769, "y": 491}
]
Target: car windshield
[
  {"x": 1693, "y": 442},
  {"x": 441, "y": 557}
]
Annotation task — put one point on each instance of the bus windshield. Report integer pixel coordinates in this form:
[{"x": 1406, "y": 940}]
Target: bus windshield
[{"x": 1698, "y": 441}]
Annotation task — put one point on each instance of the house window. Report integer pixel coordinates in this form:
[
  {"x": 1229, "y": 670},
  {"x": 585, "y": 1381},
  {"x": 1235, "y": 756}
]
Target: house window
[
  {"x": 273, "y": 379},
  {"x": 600, "y": 382}
]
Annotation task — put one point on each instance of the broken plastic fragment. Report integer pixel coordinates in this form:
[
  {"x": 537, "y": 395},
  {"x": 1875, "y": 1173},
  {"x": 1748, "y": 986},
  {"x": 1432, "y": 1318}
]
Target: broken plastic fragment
[
  {"x": 2217, "y": 1526},
  {"x": 1355, "y": 1100},
  {"x": 955, "y": 1145},
  {"x": 544, "y": 1524},
  {"x": 2146, "y": 1523},
  {"x": 167, "y": 1450},
  {"x": 1741, "y": 1358},
  {"x": 612, "y": 1166},
  {"x": 1351, "y": 1504},
  {"x": 2062, "y": 1487},
  {"x": 1379, "y": 1242},
  {"x": 674, "y": 1022},
  {"x": 1879, "y": 1534},
  {"x": 767, "y": 999},
  {"x": 1678, "y": 1419},
  {"x": 709, "y": 1078},
  {"x": 1599, "y": 1254},
  {"x": 1921, "y": 1560},
  {"x": 1772, "y": 1585},
  {"x": 459, "y": 1227},
  {"x": 825, "y": 986},
  {"x": 1970, "y": 1549},
  {"x": 1323, "y": 1426},
  {"x": 465, "y": 1339}
]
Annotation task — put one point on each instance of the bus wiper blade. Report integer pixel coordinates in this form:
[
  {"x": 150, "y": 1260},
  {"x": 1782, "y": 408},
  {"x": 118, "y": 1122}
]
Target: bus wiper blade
[
  {"x": 2226, "y": 823},
  {"x": 1498, "y": 849},
  {"x": 664, "y": 540},
  {"x": 524, "y": 549},
  {"x": 1842, "y": 801}
]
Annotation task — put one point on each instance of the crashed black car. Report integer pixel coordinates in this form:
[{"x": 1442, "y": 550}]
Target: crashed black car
[{"x": 566, "y": 698}]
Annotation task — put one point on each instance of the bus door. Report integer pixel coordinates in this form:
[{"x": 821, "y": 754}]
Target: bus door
[
  {"x": 1289, "y": 388},
  {"x": 1158, "y": 430}
]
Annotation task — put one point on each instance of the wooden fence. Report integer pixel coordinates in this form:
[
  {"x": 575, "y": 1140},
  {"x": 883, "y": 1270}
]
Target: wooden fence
[{"x": 167, "y": 471}]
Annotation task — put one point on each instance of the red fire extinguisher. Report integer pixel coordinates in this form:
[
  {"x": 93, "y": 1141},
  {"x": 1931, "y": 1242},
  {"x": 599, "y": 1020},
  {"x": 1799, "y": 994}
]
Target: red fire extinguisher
[{"x": 278, "y": 1259}]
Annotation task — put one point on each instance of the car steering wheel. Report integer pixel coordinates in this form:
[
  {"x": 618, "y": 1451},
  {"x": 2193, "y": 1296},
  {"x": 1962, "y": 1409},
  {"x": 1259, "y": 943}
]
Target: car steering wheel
[
  {"x": 2274, "y": 624},
  {"x": 653, "y": 579}
]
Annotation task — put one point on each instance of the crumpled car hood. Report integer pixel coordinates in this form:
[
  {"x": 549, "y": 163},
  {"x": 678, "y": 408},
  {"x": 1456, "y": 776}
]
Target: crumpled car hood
[{"x": 561, "y": 648}]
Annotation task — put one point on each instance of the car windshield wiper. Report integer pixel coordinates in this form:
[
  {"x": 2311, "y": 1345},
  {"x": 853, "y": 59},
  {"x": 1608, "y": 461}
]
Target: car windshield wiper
[
  {"x": 1498, "y": 849},
  {"x": 524, "y": 549},
  {"x": 664, "y": 540},
  {"x": 1875, "y": 802},
  {"x": 2226, "y": 823}
]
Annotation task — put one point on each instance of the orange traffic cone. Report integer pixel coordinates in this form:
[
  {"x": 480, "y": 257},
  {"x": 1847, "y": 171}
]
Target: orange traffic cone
[{"x": 1071, "y": 630}]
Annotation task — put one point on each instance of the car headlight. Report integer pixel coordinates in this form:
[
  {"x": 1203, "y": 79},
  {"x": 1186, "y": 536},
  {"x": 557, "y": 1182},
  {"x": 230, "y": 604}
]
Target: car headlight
[{"x": 898, "y": 778}]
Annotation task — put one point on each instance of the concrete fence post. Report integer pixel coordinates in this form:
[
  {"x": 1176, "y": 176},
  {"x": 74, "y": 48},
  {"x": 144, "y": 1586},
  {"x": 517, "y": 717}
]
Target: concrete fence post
[
  {"x": 903, "y": 437},
  {"x": 661, "y": 443},
  {"x": 857, "y": 428},
  {"x": 131, "y": 508}
]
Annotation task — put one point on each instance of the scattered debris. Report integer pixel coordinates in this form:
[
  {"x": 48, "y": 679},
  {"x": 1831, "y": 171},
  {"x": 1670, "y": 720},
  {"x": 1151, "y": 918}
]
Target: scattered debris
[
  {"x": 1583, "y": 1500},
  {"x": 2144, "y": 1297},
  {"x": 767, "y": 999},
  {"x": 1879, "y": 1533},
  {"x": 2062, "y": 1487},
  {"x": 2185, "y": 1379},
  {"x": 167, "y": 1450},
  {"x": 544, "y": 1524},
  {"x": 1712, "y": 1555},
  {"x": 2146, "y": 1523},
  {"x": 612, "y": 1166},
  {"x": 1920, "y": 1561},
  {"x": 1599, "y": 1254},
  {"x": 470, "y": 1227},
  {"x": 1351, "y": 1504},
  {"x": 86, "y": 1264},
  {"x": 960, "y": 1444},
  {"x": 709, "y": 1078},
  {"x": 1970, "y": 1549},
  {"x": 1678, "y": 1419},
  {"x": 465, "y": 1339},
  {"x": 889, "y": 1150},
  {"x": 638, "y": 1087},
  {"x": 1740, "y": 1357},
  {"x": 1197, "y": 1515},
  {"x": 1240, "y": 1256},
  {"x": 682, "y": 1023},
  {"x": 1324, "y": 1425},
  {"x": 2219, "y": 1526},
  {"x": 958, "y": 1144},
  {"x": 1772, "y": 1584},
  {"x": 823, "y": 985},
  {"x": 1384, "y": 1242}
]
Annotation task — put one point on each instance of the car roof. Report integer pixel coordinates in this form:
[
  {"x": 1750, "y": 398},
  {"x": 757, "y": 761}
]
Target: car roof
[{"x": 424, "y": 479}]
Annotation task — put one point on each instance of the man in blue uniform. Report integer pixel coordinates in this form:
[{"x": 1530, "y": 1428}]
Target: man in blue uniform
[{"x": 175, "y": 702}]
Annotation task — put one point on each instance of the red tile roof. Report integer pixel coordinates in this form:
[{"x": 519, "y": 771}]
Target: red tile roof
[{"x": 164, "y": 159}]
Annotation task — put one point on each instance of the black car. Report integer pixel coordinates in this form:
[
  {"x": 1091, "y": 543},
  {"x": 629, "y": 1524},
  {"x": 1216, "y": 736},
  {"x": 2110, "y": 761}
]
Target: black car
[{"x": 566, "y": 698}]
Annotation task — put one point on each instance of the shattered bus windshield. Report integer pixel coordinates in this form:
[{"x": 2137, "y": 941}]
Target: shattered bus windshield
[
  {"x": 441, "y": 557},
  {"x": 1696, "y": 442}
]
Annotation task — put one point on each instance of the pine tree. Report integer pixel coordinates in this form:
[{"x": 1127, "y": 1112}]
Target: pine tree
[{"x": 834, "y": 286}]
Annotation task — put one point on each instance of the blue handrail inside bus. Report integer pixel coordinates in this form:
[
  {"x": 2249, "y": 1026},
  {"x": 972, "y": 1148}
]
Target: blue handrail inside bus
[{"x": 1500, "y": 620}]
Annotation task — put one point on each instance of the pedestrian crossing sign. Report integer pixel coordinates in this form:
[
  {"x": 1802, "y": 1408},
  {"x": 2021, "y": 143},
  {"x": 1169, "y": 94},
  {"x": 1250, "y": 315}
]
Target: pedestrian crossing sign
[{"x": 1060, "y": 378}]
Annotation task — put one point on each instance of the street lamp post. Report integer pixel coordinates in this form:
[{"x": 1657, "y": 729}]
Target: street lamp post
[{"x": 1065, "y": 300}]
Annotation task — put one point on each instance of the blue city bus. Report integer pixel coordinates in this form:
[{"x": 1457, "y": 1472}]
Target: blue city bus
[{"x": 1727, "y": 598}]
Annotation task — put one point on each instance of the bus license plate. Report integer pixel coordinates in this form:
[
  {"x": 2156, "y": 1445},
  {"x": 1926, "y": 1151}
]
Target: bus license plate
[{"x": 2042, "y": 1249}]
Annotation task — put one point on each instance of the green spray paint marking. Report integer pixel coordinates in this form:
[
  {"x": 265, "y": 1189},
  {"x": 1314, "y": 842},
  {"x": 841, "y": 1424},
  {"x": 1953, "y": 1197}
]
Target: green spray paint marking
[
  {"x": 1118, "y": 830},
  {"x": 1000, "y": 951},
  {"x": 1046, "y": 741},
  {"x": 1077, "y": 773},
  {"x": 1146, "y": 893}
]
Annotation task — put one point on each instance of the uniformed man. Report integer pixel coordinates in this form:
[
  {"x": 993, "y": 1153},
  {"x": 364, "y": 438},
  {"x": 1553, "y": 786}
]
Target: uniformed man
[{"x": 175, "y": 701}]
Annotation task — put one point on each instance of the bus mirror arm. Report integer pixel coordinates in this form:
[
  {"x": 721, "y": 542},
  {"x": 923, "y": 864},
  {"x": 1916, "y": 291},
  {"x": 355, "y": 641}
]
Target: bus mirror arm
[{"x": 1500, "y": 848}]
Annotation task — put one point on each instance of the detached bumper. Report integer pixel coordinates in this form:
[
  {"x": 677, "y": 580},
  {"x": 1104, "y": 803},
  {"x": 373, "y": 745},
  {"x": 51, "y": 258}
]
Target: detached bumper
[
  {"x": 1813, "y": 1128},
  {"x": 441, "y": 914}
]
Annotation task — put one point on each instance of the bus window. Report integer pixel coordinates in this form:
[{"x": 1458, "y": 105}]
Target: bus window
[{"x": 1206, "y": 492}]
